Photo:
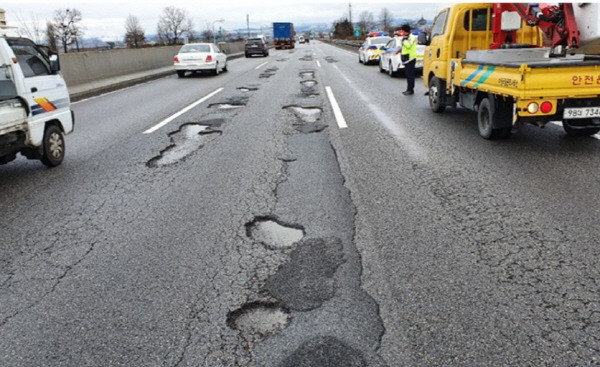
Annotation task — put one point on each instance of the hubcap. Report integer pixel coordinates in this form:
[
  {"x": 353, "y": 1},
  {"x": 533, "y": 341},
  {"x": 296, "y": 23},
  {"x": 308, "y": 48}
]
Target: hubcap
[
  {"x": 56, "y": 145},
  {"x": 433, "y": 95}
]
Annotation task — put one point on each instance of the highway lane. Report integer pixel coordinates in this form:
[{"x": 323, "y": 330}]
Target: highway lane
[
  {"x": 478, "y": 252},
  {"x": 140, "y": 248},
  {"x": 423, "y": 244}
]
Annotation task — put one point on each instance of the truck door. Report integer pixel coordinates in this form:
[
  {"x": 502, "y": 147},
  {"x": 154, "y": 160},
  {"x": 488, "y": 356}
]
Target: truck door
[
  {"x": 45, "y": 92},
  {"x": 435, "y": 54}
]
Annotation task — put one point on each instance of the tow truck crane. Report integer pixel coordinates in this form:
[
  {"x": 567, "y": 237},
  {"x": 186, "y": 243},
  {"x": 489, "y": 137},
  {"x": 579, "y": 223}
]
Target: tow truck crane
[{"x": 492, "y": 58}]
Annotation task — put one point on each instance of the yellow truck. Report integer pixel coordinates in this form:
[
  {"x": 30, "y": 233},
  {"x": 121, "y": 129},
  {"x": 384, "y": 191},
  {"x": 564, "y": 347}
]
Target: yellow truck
[{"x": 527, "y": 79}]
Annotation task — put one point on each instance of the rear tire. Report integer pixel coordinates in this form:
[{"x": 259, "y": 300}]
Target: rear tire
[
  {"x": 571, "y": 131},
  {"x": 487, "y": 118},
  {"x": 437, "y": 91},
  {"x": 180, "y": 73},
  {"x": 53, "y": 146}
]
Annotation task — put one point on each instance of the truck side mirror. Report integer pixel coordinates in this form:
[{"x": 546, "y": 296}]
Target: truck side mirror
[
  {"x": 54, "y": 63},
  {"x": 423, "y": 39}
]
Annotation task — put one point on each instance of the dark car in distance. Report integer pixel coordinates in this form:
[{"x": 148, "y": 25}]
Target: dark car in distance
[{"x": 256, "y": 46}]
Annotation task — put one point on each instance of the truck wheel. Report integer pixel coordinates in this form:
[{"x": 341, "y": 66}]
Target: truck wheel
[
  {"x": 485, "y": 121},
  {"x": 436, "y": 95},
  {"x": 181, "y": 73},
  {"x": 53, "y": 146},
  {"x": 572, "y": 131}
]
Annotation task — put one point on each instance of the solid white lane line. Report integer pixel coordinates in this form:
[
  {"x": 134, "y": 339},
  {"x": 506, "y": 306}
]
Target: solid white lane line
[
  {"x": 339, "y": 117},
  {"x": 261, "y": 65},
  {"x": 176, "y": 115},
  {"x": 318, "y": 63}
]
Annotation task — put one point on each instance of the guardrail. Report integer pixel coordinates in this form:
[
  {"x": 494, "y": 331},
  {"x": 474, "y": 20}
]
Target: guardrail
[{"x": 92, "y": 72}]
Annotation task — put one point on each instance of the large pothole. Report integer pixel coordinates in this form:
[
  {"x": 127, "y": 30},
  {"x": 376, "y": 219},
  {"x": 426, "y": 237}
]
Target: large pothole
[
  {"x": 273, "y": 234},
  {"x": 259, "y": 318},
  {"x": 307, "y": 74},
  {"x": 189, "y": 138},
  {"x": 307, "y": 280},
  {"x": 309, "y": 83},
  {"x": 306, "y": 114}
]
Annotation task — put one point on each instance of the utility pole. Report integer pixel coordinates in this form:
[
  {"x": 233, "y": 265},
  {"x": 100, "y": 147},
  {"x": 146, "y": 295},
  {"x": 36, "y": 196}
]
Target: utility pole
[
  {"x": 248, "y": 24},
  {"x": 350, "y": 13}
]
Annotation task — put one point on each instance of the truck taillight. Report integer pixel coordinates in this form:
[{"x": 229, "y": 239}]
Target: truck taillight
[
  {"x": 175, "y": 59},
  {"x": 208, "y": 58},
  {"x": 546, "y": 107},
  {"x": 533, "y": 108}
]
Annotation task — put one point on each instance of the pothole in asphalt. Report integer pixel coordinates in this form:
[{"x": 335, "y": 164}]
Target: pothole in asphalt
[
  {"x": 331, "y": 59},
  {"x": 259, "y": 318},
  {"x": 307, "y": 74},
  {"x": 310, "y": 129},
  {"x": 306, "y": 114},
  {"x": 306, "y": 281},
  {"x": 247, "y": 89},
  {"x": 274, "y": 234},
  {"x": 230, "y": 103},
  {"x": 269, "y": 72},
  {"x": 225, "y": 106},
  {"x": 189, "y": 138},
  {"x": 309, "y": 83},
  {"x": 283, "y": 59},
  {"x": 307, "y": 58}
]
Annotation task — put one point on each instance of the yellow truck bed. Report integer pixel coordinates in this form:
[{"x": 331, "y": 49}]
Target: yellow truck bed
[{"x": 566, "y": 79}]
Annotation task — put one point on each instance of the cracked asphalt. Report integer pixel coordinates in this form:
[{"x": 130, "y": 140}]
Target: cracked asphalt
[{"x": 416, "y": 242}]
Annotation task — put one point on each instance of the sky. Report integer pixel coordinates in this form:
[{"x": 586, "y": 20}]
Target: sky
[{"x": 106, "y": 19}]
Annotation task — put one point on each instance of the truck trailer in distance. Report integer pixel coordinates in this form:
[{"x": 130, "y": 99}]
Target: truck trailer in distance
[{"x": 283, "y": 35}]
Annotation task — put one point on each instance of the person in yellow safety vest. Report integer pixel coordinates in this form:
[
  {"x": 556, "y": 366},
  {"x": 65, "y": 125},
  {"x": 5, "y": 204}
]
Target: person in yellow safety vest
[{"x": 408, "y": 55}]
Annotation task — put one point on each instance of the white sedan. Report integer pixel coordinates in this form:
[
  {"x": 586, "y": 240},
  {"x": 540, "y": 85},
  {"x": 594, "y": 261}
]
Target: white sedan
[
  {"x": 389, "y": 59},
  {"x": 370, "y": 49},
  {"x": 196, "y": 57}
]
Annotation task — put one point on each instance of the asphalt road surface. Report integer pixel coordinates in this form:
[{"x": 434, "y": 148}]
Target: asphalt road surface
[{"x": 298, "y": 210}]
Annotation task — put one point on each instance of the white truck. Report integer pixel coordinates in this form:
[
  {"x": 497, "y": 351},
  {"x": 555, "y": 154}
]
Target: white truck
[{"x": 35, "y": 108}]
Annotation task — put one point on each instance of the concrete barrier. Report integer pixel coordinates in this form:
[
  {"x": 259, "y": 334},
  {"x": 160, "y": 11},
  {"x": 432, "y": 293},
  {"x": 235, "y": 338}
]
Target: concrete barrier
[{"x": 92, "y": 72}]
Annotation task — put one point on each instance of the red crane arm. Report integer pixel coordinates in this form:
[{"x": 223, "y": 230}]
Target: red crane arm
[{"x": 557, "y": 22}]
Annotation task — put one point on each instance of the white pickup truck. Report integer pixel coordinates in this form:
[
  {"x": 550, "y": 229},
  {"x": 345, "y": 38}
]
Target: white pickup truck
[{"x": 35, "y": 108}]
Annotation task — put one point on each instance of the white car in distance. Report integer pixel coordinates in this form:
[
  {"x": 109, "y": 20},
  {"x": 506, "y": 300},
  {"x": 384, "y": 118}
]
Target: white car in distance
[{"x": 197, "y": 57}]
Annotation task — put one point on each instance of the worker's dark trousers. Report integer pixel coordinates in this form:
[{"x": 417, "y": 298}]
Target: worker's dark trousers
[{"x": 409, "y": 73}]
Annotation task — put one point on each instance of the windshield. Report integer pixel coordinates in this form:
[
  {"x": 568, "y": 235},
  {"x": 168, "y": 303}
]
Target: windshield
[
  {"x": 194, "y": 48},
  {"x": 379, "y": 40}
]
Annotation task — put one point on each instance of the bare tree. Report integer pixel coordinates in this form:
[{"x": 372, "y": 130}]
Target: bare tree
[
  {"x": 385, "y": 19},
  {"x": 67, "y": 28},
  {"x": 51, "y": 37},
  {"x": 134, "y": 33},
  {"x": 173, "y": 24},
  {"x": 32, "y": 28},
  {"x": 366, "y": 21},
  {"x": 207, "y": 32}
]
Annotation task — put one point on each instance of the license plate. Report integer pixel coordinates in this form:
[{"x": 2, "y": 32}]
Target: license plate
[{"x": 581, "y": 113}]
